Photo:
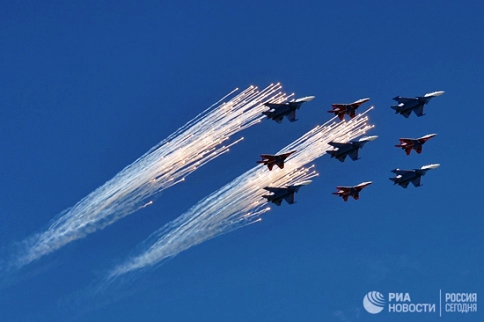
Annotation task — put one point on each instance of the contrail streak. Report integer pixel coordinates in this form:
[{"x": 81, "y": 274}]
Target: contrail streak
[
  {"x": 166, "y": 164},
  {"x": 240, "y": 202}
]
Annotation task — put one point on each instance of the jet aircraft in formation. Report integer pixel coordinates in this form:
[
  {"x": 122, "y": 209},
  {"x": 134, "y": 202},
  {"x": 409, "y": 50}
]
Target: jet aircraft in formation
[
  {"x": 350, "y": 109},
  {"x": 353, "y": 191},
  {"x": 415, "y": 144},
  {"x": 416, "y": 104},
  {"x": 284, "y": 193},
  {"x": 404, "y": 177},
  {"x": 277, "y": 111},
  {"x": 278, "y": 159},
  {"x": 349, "y": 149},
  {"x": 341, "y": 150}
]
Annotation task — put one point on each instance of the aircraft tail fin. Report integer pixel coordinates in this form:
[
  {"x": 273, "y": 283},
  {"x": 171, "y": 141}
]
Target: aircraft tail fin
[{"x": 354, "y": 155}]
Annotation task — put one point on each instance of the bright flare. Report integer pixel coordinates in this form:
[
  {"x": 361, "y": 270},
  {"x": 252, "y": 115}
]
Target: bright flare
[
  {"x": 168, "y": 163},
  {"x": 240, "y": 202}
]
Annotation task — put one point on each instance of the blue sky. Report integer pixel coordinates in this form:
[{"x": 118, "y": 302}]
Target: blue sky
[{"x": 89, "y": 87}]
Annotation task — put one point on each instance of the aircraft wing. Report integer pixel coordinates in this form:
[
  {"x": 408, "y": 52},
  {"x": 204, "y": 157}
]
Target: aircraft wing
[
  {"x": 343, "y": 188},
  {"x": 416, "y": 181},
  {"x": 419, "y": 110},
  {"x": 407, "y": 141},
  {"x": 356, "y": 104},
  {"x": 274, "y": 106},
  {"x": 291, "y": 116},
  {"x": 399, "y": 172},
  {"x": 341, "y": 107},
  {"x": 274, "y": 189},
  {"x": 285, "y": 155},
  {"x": 404, "y": 100},
  {"x": 338, "y": 144}
]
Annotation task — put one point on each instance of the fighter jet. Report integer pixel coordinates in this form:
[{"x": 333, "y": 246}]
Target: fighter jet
[
  {"x": 277, "y": 111},
  {"x": 404, "y": 177},
  {"x": 270, "y": 160},
  {"x": 415, "y": 144},
  {"x": 350, "y": 109},
  {"x": 286, "y": 193},
  {"x": 407, "y": 105},
  {"x": 353, "y": 191},
  {"x": 349, "y": 149}
]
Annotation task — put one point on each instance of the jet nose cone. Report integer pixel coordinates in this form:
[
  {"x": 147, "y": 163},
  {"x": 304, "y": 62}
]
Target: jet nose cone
[
  {"x": 429, "y": 136},
  {"x": 431, "y": 166},
  {"x": 306, "y": 99},
  {"x": 364, "y": 184},
  {"x": 434, "y": 94},
  {"x": 303, "y": 183},
  {"x": 362, "y": 100},
  {"x": 369, "y": 138}
]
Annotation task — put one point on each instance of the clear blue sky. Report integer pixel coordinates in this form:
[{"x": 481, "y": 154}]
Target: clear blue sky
[{"x": 88, "y": 87}]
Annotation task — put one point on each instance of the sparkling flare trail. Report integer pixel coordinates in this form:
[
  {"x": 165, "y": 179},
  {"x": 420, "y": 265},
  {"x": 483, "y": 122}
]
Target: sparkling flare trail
[
  {"x": 240, "y": 202},
  {"x": 166, "y": 164}
]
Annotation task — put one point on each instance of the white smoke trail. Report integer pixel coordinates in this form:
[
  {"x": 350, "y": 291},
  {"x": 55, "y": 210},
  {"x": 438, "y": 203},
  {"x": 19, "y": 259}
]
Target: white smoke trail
[
  {"x": 240, "y": 202},
  {"x": 168, "y": 163}
]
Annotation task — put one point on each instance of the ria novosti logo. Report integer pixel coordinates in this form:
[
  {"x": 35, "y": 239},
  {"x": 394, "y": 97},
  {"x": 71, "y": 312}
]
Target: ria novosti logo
[{"x": 374, "y": 302}]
